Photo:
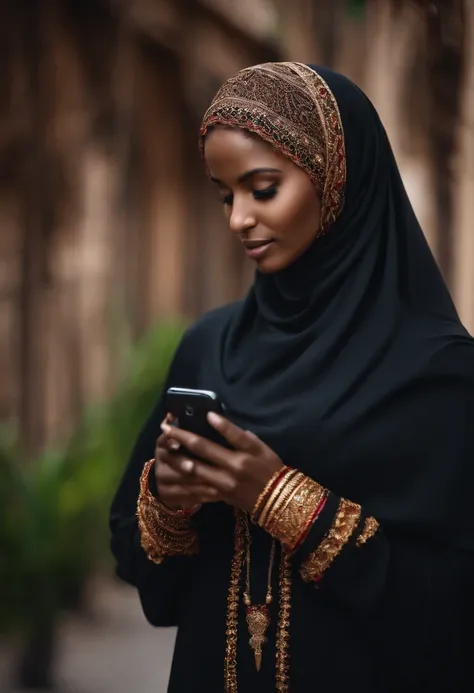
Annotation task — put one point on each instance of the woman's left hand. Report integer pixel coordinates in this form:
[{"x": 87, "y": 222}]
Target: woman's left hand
[{"x": 239, "y": 475}]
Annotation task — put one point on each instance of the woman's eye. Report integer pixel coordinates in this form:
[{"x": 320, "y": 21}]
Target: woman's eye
[
  {"x": 266, "y": 193},
  {"x": 227, "y": 200}
]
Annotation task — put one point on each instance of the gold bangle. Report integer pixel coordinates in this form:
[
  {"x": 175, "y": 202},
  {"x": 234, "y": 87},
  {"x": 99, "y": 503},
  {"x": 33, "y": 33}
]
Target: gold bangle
[
  {"x": 284, "y": 495},
  {"x": 285, "y": 499},
  {"x": 342, "y": 528},
  {"x": 275, "y": 494},
  {"x": 302, "y": 510},
  {"x": 261, "y": 499}
]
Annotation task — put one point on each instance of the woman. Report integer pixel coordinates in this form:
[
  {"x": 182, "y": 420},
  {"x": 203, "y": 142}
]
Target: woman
[{"x": 329, "y": 546}]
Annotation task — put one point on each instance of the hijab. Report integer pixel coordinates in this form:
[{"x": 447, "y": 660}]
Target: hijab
[{"x": 351, "y": 363}]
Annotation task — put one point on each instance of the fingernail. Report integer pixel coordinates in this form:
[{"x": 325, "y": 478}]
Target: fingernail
[
  {"x": 214, "y": 418},
  {"x": 165, "y": 428},
  {"x": 187, "y": 466}
]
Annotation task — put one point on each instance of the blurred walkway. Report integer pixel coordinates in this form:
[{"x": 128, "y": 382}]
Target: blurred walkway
[{"x": 114, "y": 652}]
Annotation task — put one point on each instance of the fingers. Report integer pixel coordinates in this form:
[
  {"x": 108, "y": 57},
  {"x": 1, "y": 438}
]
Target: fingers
[
  {"x": 177, "y": 490},
  {"x": 165, "y": 441},
  {"x": 212, "y": 452},
  {"x": 198, "y": 446},
  {"x": 193, "y": 476},
  {"x": 181, "y": 466},
  {"x": 237, "y": 437},
  {"x": 219, "y": 479},
  {"x": 187, "y": 496},
  {"x": 178, "y": 483},
  {"x": 169, "y": 476},
  {"x": 191, "y": 495}
]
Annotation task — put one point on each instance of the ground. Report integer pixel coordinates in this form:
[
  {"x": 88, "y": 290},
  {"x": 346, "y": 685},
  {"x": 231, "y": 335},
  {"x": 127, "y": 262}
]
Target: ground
[{"x": 113, "y": 651}]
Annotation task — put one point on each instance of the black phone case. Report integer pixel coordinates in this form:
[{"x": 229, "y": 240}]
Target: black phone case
[{"x": 190, "y": 412}]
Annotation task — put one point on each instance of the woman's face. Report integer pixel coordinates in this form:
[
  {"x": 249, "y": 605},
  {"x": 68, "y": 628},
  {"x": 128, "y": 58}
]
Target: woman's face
[{"x": 270, "y": 203}]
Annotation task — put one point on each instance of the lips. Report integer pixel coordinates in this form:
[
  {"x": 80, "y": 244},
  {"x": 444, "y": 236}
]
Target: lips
[
  {"x": 258, "y": 243},
  {"x": 258, "y": 247}
]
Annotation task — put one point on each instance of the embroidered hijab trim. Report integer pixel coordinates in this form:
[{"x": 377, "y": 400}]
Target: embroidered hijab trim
[{"x": 290, "y": 106}]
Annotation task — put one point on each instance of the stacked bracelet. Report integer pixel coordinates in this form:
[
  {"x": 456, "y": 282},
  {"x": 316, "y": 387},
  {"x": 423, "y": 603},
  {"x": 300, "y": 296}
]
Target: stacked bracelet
[
  {"x": 163, "y": 532},
  {"x": 267, "y": 491},
  {"x": 288, "y": 506}
]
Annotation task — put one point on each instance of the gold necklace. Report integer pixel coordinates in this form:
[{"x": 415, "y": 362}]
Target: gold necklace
[
  {"x": 258, "y": 615},
  {"x": 232, "y": 619}
]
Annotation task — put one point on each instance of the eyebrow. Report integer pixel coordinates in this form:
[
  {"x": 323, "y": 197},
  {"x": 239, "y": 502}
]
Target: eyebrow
[{"x": 248, "y": 174}]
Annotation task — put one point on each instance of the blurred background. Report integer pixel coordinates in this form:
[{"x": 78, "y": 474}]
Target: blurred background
[{"x": 111, "y": 241}]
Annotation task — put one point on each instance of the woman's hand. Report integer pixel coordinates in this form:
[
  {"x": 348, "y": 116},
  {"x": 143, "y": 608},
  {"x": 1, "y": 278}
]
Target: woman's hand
[
  {"x": 178, "y": 489},
  {"x": 237, "y": 476}
]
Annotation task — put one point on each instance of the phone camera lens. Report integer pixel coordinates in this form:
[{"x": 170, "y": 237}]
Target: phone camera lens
[{"x": 188, "y": 410}]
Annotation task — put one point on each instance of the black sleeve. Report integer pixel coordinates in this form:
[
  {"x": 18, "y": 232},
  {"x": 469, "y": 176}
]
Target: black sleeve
[
  {"x": 439, "y": 475},
  {"x": 357, "y": 574},
  {"x": 418, "y": 596},
  {"x": 160, "y": 587},
  {"x": 416, "y": 587}
]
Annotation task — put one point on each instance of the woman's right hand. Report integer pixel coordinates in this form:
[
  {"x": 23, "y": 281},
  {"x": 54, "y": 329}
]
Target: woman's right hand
[{"x": 178, "y": 489}]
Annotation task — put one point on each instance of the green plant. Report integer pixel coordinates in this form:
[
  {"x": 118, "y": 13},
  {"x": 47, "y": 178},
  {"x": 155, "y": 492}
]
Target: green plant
[{"x": 53, "y": 525}]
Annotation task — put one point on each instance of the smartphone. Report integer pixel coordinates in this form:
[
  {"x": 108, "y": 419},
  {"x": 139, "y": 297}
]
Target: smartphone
[{"x": 190, "y": 409}]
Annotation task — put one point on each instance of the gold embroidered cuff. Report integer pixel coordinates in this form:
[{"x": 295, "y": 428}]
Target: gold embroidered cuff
[
  {"x": 345, "y": 522},
  {"x": 163, "y": 532},
  {"x": 370, "y": 528}
]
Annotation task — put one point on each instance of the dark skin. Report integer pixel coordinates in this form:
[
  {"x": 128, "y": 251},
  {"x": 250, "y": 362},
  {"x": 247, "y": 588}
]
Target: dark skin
[
  {"x": 234, "y": 476},
  {"x": 266, "y": 197}
]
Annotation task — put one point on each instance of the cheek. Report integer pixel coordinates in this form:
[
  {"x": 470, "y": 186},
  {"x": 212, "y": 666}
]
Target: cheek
[{"x": 296, "y": 217}]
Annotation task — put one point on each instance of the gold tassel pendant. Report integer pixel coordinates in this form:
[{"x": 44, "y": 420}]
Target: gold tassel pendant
[{"x": 258, "y": 620}]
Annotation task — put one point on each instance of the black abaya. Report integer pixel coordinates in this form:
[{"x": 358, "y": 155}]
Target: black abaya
[{"x": 353, "y": 367}]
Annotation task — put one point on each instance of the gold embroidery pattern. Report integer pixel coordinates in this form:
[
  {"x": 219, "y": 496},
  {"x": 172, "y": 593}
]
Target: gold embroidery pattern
[
  {"x": 293, "y": 520},
  {"x": 163, "y": 532},
  {"x": 370, "y": 528},
  {"x": 230, "y": 668},
  {"x": 283, "y": 632},
  {"x": 345, "y": 522},
  {"x": 290, "y": 106}
]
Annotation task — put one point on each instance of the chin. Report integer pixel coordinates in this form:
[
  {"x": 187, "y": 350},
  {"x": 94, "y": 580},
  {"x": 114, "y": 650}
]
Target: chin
[{"x": 271, "y": 266}]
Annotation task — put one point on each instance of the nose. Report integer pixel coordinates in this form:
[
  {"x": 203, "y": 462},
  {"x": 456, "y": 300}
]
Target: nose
[{"x": 241, "y": 217}]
